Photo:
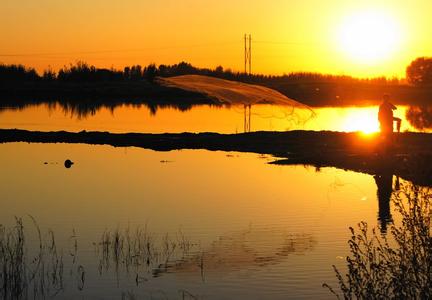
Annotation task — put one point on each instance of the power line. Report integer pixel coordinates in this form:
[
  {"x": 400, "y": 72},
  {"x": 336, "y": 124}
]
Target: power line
[
  {"x": 117, "y": 51},
  {"x": 284, "y": 43},
  {"x": 247, "y": 40},
  {"x": 247, "y": 50}
]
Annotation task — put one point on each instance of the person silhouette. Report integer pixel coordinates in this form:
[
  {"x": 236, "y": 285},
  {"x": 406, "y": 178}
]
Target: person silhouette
[
  {"x": 384, "y": 191},
  {"x": 386, "y": 119},
  {"x": 384, "y": 175}
]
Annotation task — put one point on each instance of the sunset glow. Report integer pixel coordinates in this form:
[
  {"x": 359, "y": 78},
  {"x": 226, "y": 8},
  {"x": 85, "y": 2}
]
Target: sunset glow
[
  {"x": 363, "y": 121},
  {"x": 261, "y": 149},
  {"x": 370, "y": 36},
  {"x": 366, "y": 39}
]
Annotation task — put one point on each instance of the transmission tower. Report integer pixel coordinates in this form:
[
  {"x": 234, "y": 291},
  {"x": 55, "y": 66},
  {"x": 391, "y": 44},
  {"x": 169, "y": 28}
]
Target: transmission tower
[
  {"x": 247, "y": 117},
  {"x": 248, "y": 54},
  {"x": 247, "y": 70}
]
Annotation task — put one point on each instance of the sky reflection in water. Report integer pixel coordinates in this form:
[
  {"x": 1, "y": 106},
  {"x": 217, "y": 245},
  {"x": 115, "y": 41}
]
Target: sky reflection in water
[
  {"x": 260, "y": 229},
  {"x": 160, "y": 118}
]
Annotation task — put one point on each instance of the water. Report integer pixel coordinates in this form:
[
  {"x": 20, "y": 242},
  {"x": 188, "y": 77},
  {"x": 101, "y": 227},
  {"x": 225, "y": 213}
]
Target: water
[
  {"x": 200, "y": 118},
  {"x": 257, "y": 230},
  {"x": 265, "y": 231}
]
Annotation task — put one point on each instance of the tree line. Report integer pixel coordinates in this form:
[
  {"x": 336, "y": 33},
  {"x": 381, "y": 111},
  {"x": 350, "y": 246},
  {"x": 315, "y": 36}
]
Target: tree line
[{"x": 418, "y": 73}]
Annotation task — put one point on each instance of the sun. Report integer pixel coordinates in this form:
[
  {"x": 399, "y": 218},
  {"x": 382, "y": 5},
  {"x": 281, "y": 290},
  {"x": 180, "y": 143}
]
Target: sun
[
  {"x": 369, "y": 36},
  {"x": 364, "y": 121}
]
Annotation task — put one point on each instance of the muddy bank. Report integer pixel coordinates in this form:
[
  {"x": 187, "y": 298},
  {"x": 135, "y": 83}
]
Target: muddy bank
[{"x": 410, "y": 158}]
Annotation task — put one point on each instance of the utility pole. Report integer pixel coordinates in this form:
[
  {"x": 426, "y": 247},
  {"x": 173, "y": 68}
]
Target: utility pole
[
  {"x": 247, "y": 70},
  {"x": 247, "y": 117},
  {"x": 248, "y": 54}
]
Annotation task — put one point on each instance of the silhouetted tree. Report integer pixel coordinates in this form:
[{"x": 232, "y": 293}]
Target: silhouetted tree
[
  {"x": 289, "y": 84},
  {"x": 419, "y": 72},
  {"x": 79, "y": 72},
  {"x": 135, "y": 73},
  {"x": 150, "y": 72},
  {"x": 49, "y": 75},
  {"x": 82, "y": 72},
  {"x": 17, "y": 73},
  {"x": 219, "y": 69},
  {"x": 420, "y": 117}
]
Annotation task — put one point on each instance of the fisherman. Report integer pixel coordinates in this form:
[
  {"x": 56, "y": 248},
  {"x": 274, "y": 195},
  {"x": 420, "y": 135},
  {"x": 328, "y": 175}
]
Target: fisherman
[{"x": 386, "y": 118}]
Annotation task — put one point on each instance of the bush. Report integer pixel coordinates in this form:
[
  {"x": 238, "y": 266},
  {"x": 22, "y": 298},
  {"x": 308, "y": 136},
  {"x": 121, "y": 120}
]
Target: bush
[{"x": 396, "y": 269}]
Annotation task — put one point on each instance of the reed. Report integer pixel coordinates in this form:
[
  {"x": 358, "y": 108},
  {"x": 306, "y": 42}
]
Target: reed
[
  {"x": 140, "y": 251},
  {"x": 25, "y": 274}
]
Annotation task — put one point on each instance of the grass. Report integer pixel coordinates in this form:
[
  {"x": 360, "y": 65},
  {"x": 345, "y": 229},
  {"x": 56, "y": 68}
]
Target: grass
[
  {"x": 140, "y": 251},
  {"x": 29, "y": 275},
  {"x": 399, "y": 267},
  {"x": 379, "y": 267},
  {"x": 36, "y": 268}
]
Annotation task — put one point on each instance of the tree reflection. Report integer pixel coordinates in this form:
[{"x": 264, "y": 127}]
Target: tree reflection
[
  {"x": 420, "y": 117},
  {"x": 82, "y": 109}
]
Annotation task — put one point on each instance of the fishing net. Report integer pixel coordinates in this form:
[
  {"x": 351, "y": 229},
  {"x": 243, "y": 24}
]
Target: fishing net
[
  {"x": 229, "y": 92},
  {"x": 234, "y": 93}
]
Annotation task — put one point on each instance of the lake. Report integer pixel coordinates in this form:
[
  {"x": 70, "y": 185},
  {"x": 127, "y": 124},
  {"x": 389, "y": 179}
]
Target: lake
[
  {"x": 220, "y": 225},
  {"x": 198, "y": 118}
]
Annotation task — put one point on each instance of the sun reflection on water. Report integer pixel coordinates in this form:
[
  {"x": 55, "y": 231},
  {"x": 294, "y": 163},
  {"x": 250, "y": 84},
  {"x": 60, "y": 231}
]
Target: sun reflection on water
[{"x": 364, "y": 121}]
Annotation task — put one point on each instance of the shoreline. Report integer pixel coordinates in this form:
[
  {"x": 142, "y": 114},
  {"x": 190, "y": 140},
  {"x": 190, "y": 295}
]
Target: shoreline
[
  {"x": 410, "y": 158},
  {"x": 314, "y": 94}
]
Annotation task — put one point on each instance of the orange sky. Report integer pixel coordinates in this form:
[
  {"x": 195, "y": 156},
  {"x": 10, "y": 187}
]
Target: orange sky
[{"x": 288, "y": 35}]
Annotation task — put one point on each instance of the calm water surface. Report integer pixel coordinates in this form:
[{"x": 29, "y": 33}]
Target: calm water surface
[
  {"x": 256, "y": 230},
  {"x": 201, "y": 118},
  {"x": 259, "y": 231}
]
